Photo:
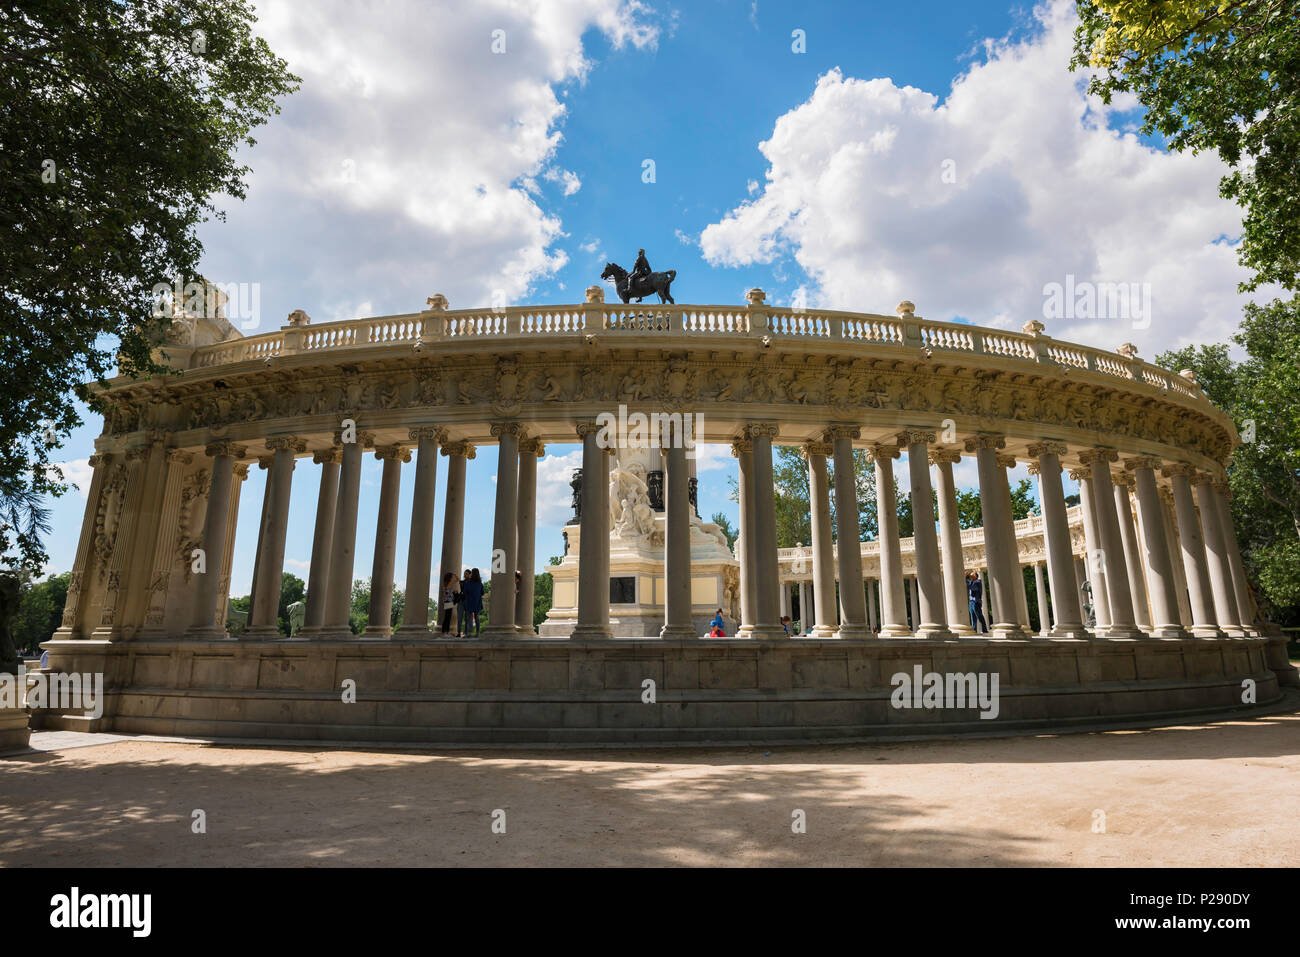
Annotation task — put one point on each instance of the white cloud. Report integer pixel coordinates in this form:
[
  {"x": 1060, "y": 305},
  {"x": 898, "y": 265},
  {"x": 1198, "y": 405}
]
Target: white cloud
[
  {"x": 712, "y": 456},
  {"x": 684, "y": 238},
  {"x": 855, "y": 193},
  {"x": 77, "y": 472},
  {"x": 554, "y": 495},
  {"x": 298, "y": 563},
  {"x": 403, "y": 164},
  {"x": 590, "y": 247}
]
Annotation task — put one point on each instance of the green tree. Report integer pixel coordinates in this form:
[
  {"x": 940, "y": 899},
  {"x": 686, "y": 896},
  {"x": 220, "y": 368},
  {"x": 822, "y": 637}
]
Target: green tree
[
  {"x": 40, "y": 610},
  {"x": 120, "y": 125},
  {"x": 1222, "y": 76},
  {"x": 292, "y": 589},
  {"x": 970, "y": 514},
  {"x": 724, "y": 525}
]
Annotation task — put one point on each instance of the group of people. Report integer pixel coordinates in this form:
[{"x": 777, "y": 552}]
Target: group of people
[{"x": 465, "y": 598}]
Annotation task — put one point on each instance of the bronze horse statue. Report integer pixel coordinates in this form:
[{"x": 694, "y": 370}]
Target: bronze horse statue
[{"x": 657, "y": 283}]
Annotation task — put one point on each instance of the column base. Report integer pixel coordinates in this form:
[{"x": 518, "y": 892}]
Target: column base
[
  {"x": 894, "y": 631},
  {"x": 261, "y": 633},
  {"x": 768, "y": 632},
  {"x": 499, "y": 632},
  {"x": 935, "y": 633},
  {"x": 860, "y": 630},
  {"x": 1122, "y": 633},
  {"x": 1206, "y": 631},
  {"x": 309, "y": 631},
  {"x": 413, "y": 631},
  {"x": 822, "y": 631},
  {"x": 589, "y": 632},
  {"x": 1009, "y": 631},
  {"x": 1166, "y": 632},
  {"x": 745, "y": 631},
  {"x": 1072, "y": 632},
  {"x": 961, "y": 631},
  {"x": 677, "y": 632},
  {"x": 207, "y": 633}
]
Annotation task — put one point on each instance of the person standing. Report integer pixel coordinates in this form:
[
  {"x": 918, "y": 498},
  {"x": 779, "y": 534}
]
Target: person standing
[
  {"x": 975, "y": 592},
  {"x": 447, "y": 601},
  {"x": 462, "y": 614},
  {"x": 719, "y": 623},
  {"x": 473, "y": 589}
]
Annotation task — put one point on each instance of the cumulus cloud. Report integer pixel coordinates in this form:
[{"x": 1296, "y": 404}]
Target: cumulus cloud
[
  {"x": 554, "y": 495},
  {"x": 972, "y": 205},
  {"x": 408, "y": 161},
  {"x": 77, "y": 472}
]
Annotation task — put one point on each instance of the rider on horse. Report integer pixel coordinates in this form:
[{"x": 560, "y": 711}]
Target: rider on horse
[{"x": 640, "y": 269}]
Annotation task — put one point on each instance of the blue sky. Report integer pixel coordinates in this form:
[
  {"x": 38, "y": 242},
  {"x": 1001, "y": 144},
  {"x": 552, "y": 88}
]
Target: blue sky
[{"x": 415, "y": 160}]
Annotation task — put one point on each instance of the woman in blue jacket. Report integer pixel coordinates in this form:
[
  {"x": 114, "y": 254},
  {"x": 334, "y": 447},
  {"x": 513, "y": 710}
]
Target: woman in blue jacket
[{"x": 473, "y": 589}]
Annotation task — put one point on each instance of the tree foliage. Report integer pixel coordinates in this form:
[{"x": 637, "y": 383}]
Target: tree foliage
[
  {"x": 119, "y": 123},
  {"x": 1222, "y": 76}
]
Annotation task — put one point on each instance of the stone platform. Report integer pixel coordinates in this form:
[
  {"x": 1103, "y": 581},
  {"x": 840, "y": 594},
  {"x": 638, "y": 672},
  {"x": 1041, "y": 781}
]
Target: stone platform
[{"x": 569, "y": 691}]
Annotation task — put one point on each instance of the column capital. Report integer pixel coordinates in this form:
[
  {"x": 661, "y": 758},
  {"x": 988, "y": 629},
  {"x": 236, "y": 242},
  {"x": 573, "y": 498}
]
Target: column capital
[
  {"x": 834, "y": 432},
  {"x": 1223, "y": 488},
  {"x": 265, "y": 462},
  {"x": 212, "y": 450},
  {"x": 587, "y": 427},
  {"x": 985, "y": 440},
  {"x": 1124, "y": 479},
  {"x": 1201, "y": 478},
  {"x": 1088, "y": 456},
  {"x": 1081, "y": 474},
  {"x": 426, "y": 432},
  {"x": 813, "y": 447},
  {"x": 364, "y": 439},
  {"x": 1142, "y": 462},
  {"x": 503, "y": 429},
  {"x": 241, "y": 472},
  {"x": 178, "y": 456},
  {"x": 944, "y": 456},
  {"x": 399, "y": 452},
  {"x": 1038, "y": 449},
  {"x": 741, "y": 446},
  {"x": 877, "y": 452},
  {"x": 98, "y": 459},
  {"x": 330, "y": 456},
  {"x": 137, "y": 454},
  {"x": 458, "y": 447},
  {"x": 1007, "y": 461},
  {"x": 534, "y": 445},
  {"x": 914, "y": 436},
  {"x": 760, "y": 430},
  {"x": 286, "y": 443},
  {"x": 1032, "y": 468},
  {"x": 1166, "y": 494},
  {"x": 1177, "y": 468}
]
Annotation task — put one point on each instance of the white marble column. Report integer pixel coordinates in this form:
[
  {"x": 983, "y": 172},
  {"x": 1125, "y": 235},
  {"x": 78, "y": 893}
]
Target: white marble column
[
  {"x": 505, "y": 540},
  {"x": 530, "y": 450},
  {"x": 453, "y": 511},
  {"x": 998, "y": 528},
  {"x": 893, "y": 608},
  {"x": 208, "y": 613},
  {"x": 338, "y": 601},
  {"x": 322, "y": 539},
  {"x": 805, "y": 606},
  {"x": 763, "y": 499},
  {"x": 264, "y": 621},
  {"x": 1161, "y": 582},
  {"x": 1061, "y": 574},
  {"x": 1216, "y": 558},
  {"x": 873, "y": 612},
  {"x": 932, "y": 612},
  {"x": 1044, "y": 625},
  {"x": 380, "y": 623},
  {"x": 1175, "y": 554},
  {"x": 419, "y": 548},
  {"x": 1122, "y": 621},
  {"x": 593, "y": 562},
  {"x": 1095, "y": 560},
  {"x": 956, "y": 598},
  {"x": 848, "y": 535},
  {"x": 915, "y": 597},
  {"x": 823, "y": 545},
  {"x": 743, "y": 449},
  {"x": 1123, "y": 482},
  {"x": 1245, "y": 605},
  {"x": 1008, "y": 462},
  {"x": 1204, "y": 623}
]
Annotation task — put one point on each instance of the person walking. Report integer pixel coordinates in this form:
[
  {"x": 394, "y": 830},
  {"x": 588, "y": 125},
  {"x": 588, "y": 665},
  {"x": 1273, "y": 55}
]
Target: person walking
[
  {"x": 975, "y": 592},
  {"x": 473, "y": 589},
  {"x": 447, "y": 601}
]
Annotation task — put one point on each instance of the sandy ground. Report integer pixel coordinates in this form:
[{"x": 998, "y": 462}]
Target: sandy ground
[{"x": 1214, "y": 794}]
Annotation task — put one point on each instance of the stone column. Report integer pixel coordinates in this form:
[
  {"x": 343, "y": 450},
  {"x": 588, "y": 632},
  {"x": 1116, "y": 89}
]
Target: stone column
[
  {"x": 1245, "y": 607},
  {"x": 453, "y": 512},
  {"x": 1123, "y": 482},
  {"x": 1067, "y": 610},
  {"x": 264, "y": 463},
  {"x": 1044, "y": 626},
  {"x": 804, "y": 608},
  {"x": 593, "y": 563},
  {"x": 893, "y": 610},
  {"x": 122, "y": 577},
  {"x": 1021, "y": 599},
  {"x": 319, "y": 575},
  {"x": 71, "y": 627},
  {"x": 873, "y": 614},
  {"x": 1204, "y": 623},
  {"x": 785, "y": 600},
  {"x": 677, "y": 538},
  {"x": 208, "y": 615},
  {"x": 1122, "y": 621},
  {"x": 1175, "y": 554},
  {"x": 264, "y": 621},
  {"x": 932, "y": 612},
  {"x": 954, "y": 565},
  {"x": 381, "y": 573},
  {"x": 419, "y": 546},
  {"x": 998, "y": 530},
  {"x": 823, "y": 546},
  {"x": 1216, "y": 558},
  {"x": 505, "y": 539},
  {"x": 1166, "y": 622},
  {"x": 1095, "y": 560},
  {"x": 530, "y": 450},
  {"x": 338, "y": 601},
  {"x": 743, "y": 450},
  {"x": 763, "y": 499},
  {"x": 848, "y": 549},
  {"x": 915, "y": 598}
]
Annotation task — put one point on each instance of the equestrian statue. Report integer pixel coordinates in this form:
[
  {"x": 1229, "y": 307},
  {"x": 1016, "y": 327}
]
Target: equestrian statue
[{"x": 640, "y": 282}]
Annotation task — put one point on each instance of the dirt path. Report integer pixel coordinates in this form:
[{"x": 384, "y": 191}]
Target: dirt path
[{"x": 1222, "y": 794}]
